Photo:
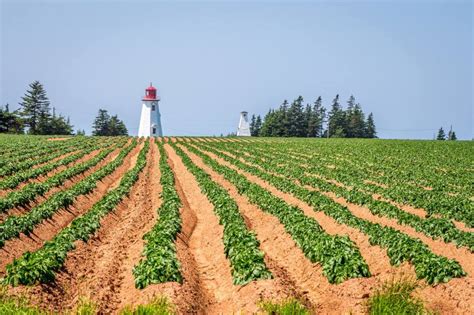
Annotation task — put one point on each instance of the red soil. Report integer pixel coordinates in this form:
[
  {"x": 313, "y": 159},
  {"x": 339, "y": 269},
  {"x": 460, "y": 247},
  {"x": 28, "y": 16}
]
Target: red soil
[{"x": 455, "y": 297}]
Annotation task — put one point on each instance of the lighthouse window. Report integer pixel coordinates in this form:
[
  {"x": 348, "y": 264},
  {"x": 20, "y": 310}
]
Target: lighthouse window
[
  {"x": 152, "y": 107},
  {"x": 154, "y": 130}
]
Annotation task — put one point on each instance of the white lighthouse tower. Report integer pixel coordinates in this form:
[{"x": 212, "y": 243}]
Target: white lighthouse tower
[
  {"x": 244, "y": 128},
  {"x": 150, "y": 119}
]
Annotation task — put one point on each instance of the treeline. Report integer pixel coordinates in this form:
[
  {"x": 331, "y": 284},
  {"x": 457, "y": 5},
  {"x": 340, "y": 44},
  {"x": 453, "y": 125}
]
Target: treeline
[
  {"x": 299, "y": 120},
  {"x": 35, "y": 117},
  {"x": 35, "y": 114},
  {"x": 106, "y": 125},
  {"x": 442, "y": 135}
]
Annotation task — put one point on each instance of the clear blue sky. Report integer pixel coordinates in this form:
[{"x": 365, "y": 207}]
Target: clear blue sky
[{"x": 408, "y": 62}]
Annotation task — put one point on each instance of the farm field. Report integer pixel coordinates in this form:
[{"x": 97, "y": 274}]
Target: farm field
[{"x": 218, "y": 225}]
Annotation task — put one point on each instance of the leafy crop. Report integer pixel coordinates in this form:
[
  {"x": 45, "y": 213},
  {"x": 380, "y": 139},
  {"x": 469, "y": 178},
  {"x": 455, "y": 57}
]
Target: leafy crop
[
  {"x": 160, "y": 263},
  {"x": 240, "y": 245},
  {"x": 41, "y": 265}
]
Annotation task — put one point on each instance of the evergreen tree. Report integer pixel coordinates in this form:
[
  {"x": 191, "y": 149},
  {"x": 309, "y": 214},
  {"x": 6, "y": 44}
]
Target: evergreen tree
[
  {"x": 258, "y": 126},
  {"x": 10, "y": 122},
  {"x": 309, "y": 122},
  {"x": 452, "y": 134},
  {"x": 370, "y": 131},
  {"x": 296, "y": 125},
  {"x": 337, "y": 120},
  {"x": 59, "y": 125},
  {"x": 100, "y": 127},
  {"x": 319, "y": 114},
  {"x": 35, "y": 108},
  {"x": 356, "y": 125},
  {"x": 80, "y": 132},
  {"x": 252, "y": 125},
  {"x": 117, "y": 127},
  {"x": 282, "y": 121},
  {"x": 268, "y": 124},
  {"x": 441, "y": 134}
]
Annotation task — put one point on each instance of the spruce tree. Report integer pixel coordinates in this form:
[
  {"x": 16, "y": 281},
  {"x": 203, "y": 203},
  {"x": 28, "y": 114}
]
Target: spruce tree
[
  {"x": 282, "y": 121},
  {"x": 258, "y": 126},
  {"x": 441, "y": 134},
  {"x": 370, "y": 131},
  {"x": 10, "y": 122},
  {"x": 310, "y": 122},
  {"x": 451, "y": 134},
  {"x": 252, "y": 125},
  {"x": 35, "y": 108},
  {"x": 319, "y": 114},
  {"x": 296, "y": 126},
  {"x": 100, "y": 127},
  {"x": 337, "y": 120},
  {"x": 116, "y": 127}
]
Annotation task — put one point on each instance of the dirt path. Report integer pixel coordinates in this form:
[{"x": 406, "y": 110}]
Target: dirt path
[
  {"x": 455, "y": 297},
  {"x": 14, "y": 248},
  {"x": 206, "y": 246}
]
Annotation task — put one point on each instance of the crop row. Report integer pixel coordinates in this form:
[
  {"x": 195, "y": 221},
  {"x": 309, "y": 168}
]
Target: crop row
[
  {"x": 160, "y": 263},
  {"x": 41, "y": 148},
  {"x": 240, "y": 245},
  {"x": 394, "y": 185},
  {"x": 14, "y": 225},
  {"x": 13, "y": 167},
  {"x": 19, "y": 177},
  {"x": 400, "y": 247},
  {"x": 338, "y": 255},
  {"x": 29, "y": 192},
  {"x": 41, "y": 265},
  {"x": 437, "y": 228}
]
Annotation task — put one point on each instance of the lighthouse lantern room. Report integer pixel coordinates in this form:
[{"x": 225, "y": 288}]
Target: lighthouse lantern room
[{"x": 150, "y": 119}]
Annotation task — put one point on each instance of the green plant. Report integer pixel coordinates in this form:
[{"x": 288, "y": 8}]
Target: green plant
[
  {"x": 85, "y": 306},
  {"x": 395, "y": 297},
  {"x": 160, "y": 263},
  {"x": 158, "y": 306},
  {"x": 41, "y": 265},
  {"x": 14, "y": 305},
  {"x": 241, "y": 245},
  {"x": 289, "y": 306}
]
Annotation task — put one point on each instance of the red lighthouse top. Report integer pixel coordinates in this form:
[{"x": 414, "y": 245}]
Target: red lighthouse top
[{"x": 150, "y": 93}]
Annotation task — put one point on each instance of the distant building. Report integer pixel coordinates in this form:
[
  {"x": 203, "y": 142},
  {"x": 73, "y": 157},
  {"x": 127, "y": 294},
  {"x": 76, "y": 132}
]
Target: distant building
[
  {"x": 150, "y": 119},
  {"x": 244, "y": 128}
]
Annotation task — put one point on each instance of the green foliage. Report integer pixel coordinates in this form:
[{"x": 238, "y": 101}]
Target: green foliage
[
  {"x": 160, "y": 263},
  {"x": 395, "y": 298},
  {"x": 158, "y": 306},
  {"x": 85, "y": 307},
  {"x": 10, "y": 122},
  {"x": 441, "y": 134},
  {"x": 29, "y": 192},
  {"x": 400, "y": 247},
  {"x": 338, "y": 255},
  {"x": 240, "y": 245},
  {"x": 289, "y": 306},
  {"x": 37, "y": 114},
  {"x": 297, "y": 120},
  {"x": 104, "y": 125},
  {"x": 41, "y": 265},
  {"x": 14, "y": 305}
]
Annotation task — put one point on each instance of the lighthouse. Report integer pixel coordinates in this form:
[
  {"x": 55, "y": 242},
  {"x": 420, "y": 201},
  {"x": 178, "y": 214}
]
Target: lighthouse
[
  {"x": 244, "y": 129},
  {"x": 150, "y": 119}
]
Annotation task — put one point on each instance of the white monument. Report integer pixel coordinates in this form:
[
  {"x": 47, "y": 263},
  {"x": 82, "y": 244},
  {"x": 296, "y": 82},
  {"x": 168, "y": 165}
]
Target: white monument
[
  {"x": 244, "y": 128},
  {"x": 150, "y": 119}
]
